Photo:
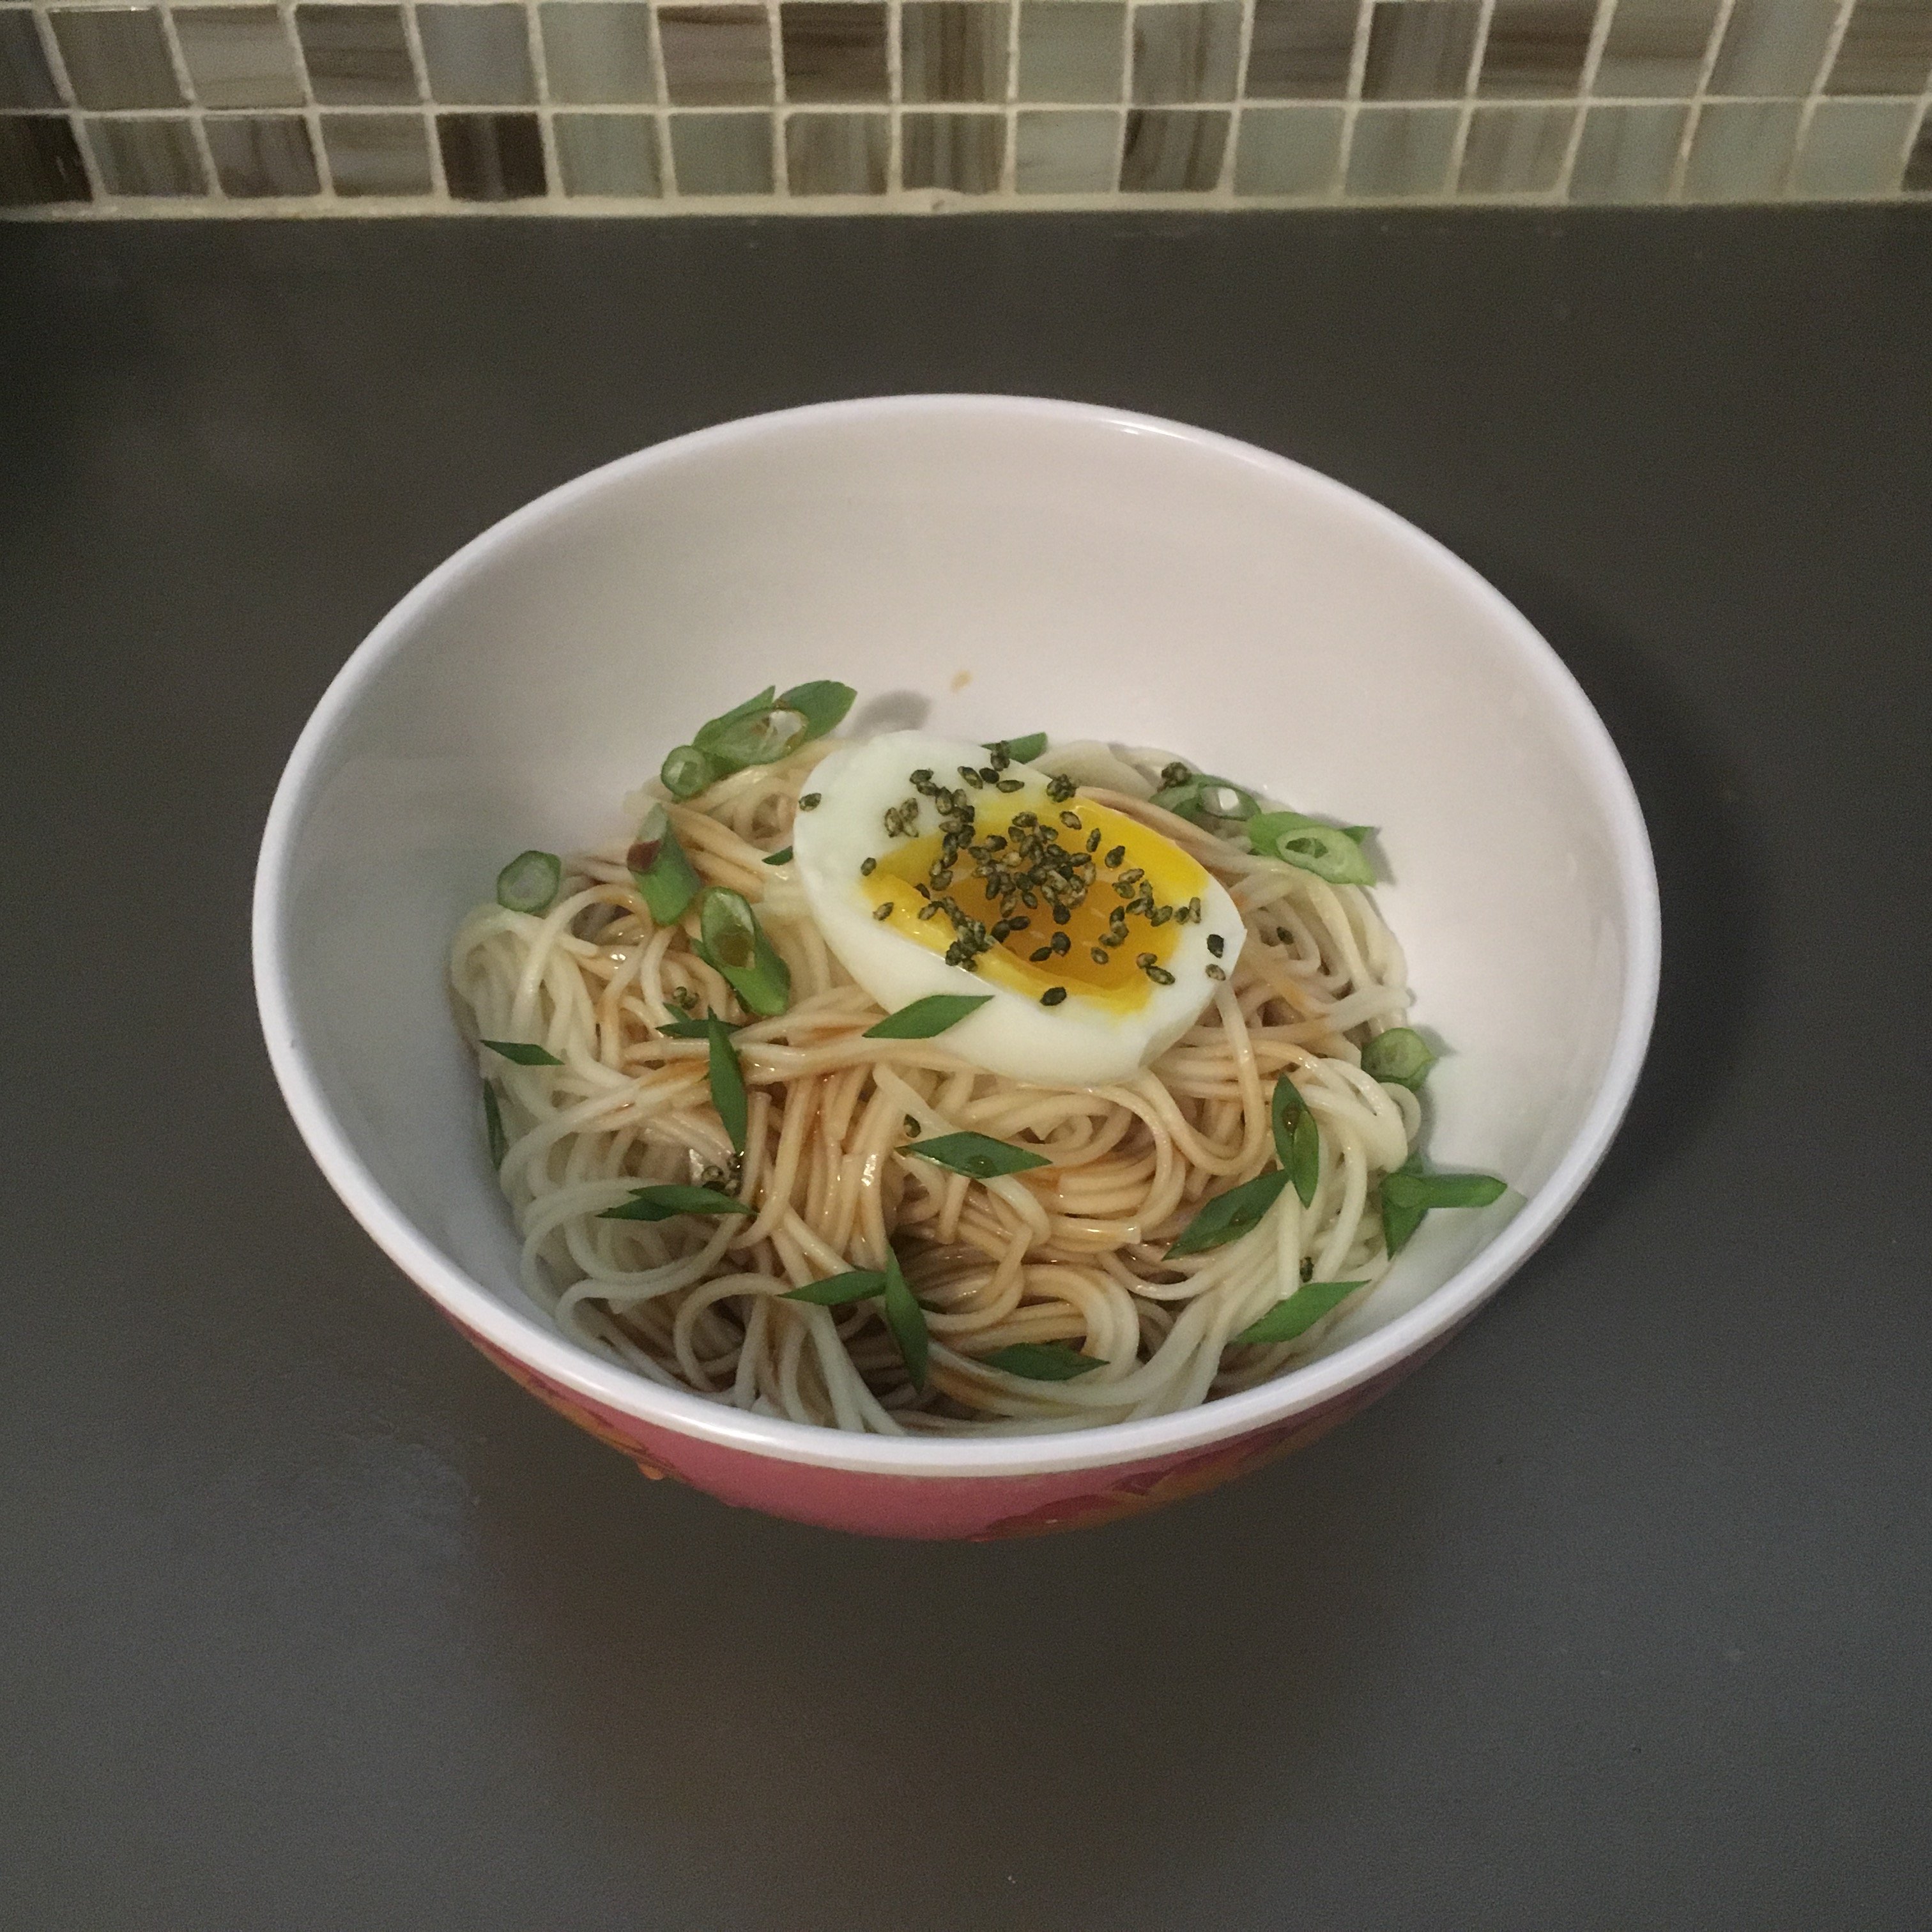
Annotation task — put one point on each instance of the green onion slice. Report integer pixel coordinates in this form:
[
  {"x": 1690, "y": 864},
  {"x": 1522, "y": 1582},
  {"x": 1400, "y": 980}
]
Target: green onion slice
[
  {"x": 1229, "y": 1216},
  {"x": 1021, "y": 751},
  {"x": 1297, "y": 1139},
  {"x": 1203, "y": 800},
  {"x": 925, "y": 1018},
  {"x": 686, "y": 771},
  {"x": 782, "y": 856},
  {"x": 1409, "y": 1193},
  {"x": 762, "y": 739},
  {"x": 1326, "y": 851},
  {"x": 660, "y": 870},
  {"x": 907, "y": 1320},
  {"x": 823, "y": 703},
  {"x": 664, "y": 1202},
  {"x": 523, "y": 1052},
  {"x": 1043, "y": 1361},
  {"x": 1401, "y": 1056},
  {"x": 1299, "y": 1312},
  {"x": 727, "y": 1083},
  {"x": 698, "y": 1029},
  {"x": 493, "y": 1124},
  {"x": 529, "y": 883},
  {"x": 735, "y": 944},
  {"x": 835, "y": 1291},
  {"x": 976, "y": 1155}
]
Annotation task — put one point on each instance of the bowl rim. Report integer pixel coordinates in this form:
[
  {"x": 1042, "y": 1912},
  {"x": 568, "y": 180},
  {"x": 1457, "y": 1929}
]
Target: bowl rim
[{"x": 539, "y": 1346}]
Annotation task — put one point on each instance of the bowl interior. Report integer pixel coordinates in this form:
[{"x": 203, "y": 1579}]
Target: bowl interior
[{"x": 985, "y": 568}]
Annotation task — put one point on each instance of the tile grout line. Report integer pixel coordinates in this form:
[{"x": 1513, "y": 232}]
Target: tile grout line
[
  {"x": 426, "y": 106},
  {"x": 1694, "y": 114},
  {"x": 539, "y": 59},
  {"x": 1586, "y": 88},
  {"x": 1459, "y": 146},
  {"x": 1352, "y": 98},
  {"x": 197, "y": 119},
  {"x": 63, "y": 86},
  {"x": 1787, "y": 185},
  {"x": 311, "y": 108}
]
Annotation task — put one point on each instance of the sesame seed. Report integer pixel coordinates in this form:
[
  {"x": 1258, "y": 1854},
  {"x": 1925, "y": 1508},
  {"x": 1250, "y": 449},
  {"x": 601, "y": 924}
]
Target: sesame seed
[
  {"x": 1216, "y": 944},
  {"x": 1053, "y": 996},
  {"x": 1160, "y": 976},
  {"x": 1098, "y": 958},
  {"x": 1010, "y": 785},
  {"x": 1040, "y": 954},
  {"x": 1115, "y": 857},
  {"x": 1071, "y": 820},
  {"x": 1060, "y": 944},
  {"x": 809, "y": 803},
  {"x": 867, "y": 867},
  {"x": 883, "y": 910},
  {"x": 1215, "y": 972}
]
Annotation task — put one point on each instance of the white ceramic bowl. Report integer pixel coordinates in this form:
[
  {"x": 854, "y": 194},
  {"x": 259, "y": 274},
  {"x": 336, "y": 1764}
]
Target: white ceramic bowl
[{"x": 986, "y": 565}]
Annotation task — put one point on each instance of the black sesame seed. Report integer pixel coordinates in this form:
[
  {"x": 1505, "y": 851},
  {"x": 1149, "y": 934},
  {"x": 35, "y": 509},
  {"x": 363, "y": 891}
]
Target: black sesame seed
[
  {"x": 1053, "y": 996},
  {"x": 809, "y": 803},
  {"x": 1011, "y": 784},
  {"x": 1040, "y": 954},
  {"x": 1160, "y": 976},
  {"x": 1216, "y": 944},
  {"x": 1215, "y": 972},
  {"x": 921, "y": 776},
  {"x": 1093, "y": 840},
  {"x": 1060, "y": 915},
  {"x": 1098, "y": 958},
  {"x": 1019, "y": 924},
  {"x": 1115, "y": 857},
  {"x": 1144, "y": 960},
  {"x": 1071, "y": 820},
  {"x": 1060, "y": 942},
  {"x": 883, "y": 910},
  {"x": 911, "y": 1124},
  {"x": 867, "y": 867}
]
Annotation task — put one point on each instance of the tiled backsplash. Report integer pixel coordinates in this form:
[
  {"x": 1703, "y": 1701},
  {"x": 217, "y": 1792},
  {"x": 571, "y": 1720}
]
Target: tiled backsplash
[{"x": 233, "y": 106}]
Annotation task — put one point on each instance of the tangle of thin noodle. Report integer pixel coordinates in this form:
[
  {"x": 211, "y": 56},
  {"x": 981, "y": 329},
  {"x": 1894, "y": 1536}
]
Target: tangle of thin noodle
[{"x": 1073, "y": 1252}]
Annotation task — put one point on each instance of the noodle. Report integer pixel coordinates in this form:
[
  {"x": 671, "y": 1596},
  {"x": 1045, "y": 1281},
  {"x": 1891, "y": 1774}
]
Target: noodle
[{"x": 1075, "y": 1252}]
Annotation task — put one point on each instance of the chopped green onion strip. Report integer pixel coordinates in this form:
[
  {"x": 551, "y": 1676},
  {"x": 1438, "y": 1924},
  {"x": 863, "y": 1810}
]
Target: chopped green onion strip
[
  {"x": 976, "y": 1155},
  {"x": 1021, "y": 751},
  {"x": 735, "y": 943},
  {"x": 707, "y": 733},
  {"x": 493, "y": 1124},
  {"x": 690, "y": 1029},
  {"x": 835, "y": 1291},
  {"x": 762, "y": 739},
  {"x": 1284, "y": 1108},
  {"x": 926, "y": 1018},
  {"x": 907, "y": 1320},
  {"x": 1202, "y": 798},
  {"x": 1304, "y": 1166},
  {"x": 782, "y": 856},
  {"x": 1409, "y": 1193},
  {"x": 1297, "y": 1314},
  {"x": 523, "y": 1053},
  {"x": 823, "y": 703},
  {"x": 663, "y": 1202},
  {"x": 661, "y": 872},
  {"x": 1042, "y": 1361},
  {"x": 529, "y": 883},
  {"x": 1401, "y": 1056},
  {"x": 1228, "y": 1216},
  {"x": 687, "y": 771},
  {"x": 1326, "y": 851},
  {"x": 727, "y": 1083}
]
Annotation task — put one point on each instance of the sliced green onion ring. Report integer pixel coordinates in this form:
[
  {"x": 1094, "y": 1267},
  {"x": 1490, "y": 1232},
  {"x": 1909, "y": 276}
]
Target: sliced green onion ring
[
  {"x": 529, "y": 883},
  {"x": 662, "y": 873},
  {"x": 735, "y": 944},
  {"x": 1401, "y": 1056},
  {"x": 1326, "y": 851},
  {"x": 687, "y": 771}
]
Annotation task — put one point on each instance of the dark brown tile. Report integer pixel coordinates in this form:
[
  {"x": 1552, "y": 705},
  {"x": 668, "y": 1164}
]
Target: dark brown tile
[
  {"x": 1190, "y": 53},
  {"x": 966, "y": 152},
  {"x": 26, "y": 80},
  {"x": 1173, "y": 150},
  {"x": 1887, "y": 49},
  {"x": 40, "y": 162},
  {"x": 1655, "y": 49},
  {"x": 262, "y": 154},
  {"x": 491, "y": 156},
  {"x": 1536, "y": 48},
  {"x": 838, "y": 153},
  {"x": 116, "y": 57},
  {"x": 1419, "y": 50},
  {"x": 357, "y": 56},
  {"x": 834, "y": 49},
  {"x": 155, "y": 156},
  {"x": 716, "y": 56},
  {"x": 953, "y": 50},
  {"x": 1301, "y": 49}
]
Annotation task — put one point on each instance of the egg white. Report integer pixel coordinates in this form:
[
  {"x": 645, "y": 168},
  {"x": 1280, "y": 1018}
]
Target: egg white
[{"x": 1076, "y": 1044}]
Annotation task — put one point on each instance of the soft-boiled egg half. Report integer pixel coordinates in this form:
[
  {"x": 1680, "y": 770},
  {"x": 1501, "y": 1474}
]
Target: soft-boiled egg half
[{"x": 1096, "y": 941}]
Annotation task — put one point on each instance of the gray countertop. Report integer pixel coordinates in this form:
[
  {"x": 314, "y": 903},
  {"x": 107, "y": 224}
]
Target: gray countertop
[{"x": 1614, "y": 1616}]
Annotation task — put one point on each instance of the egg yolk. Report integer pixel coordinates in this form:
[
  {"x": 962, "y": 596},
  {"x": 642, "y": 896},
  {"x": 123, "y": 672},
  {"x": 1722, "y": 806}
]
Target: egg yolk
[{"x": 1126, "y": 897}]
